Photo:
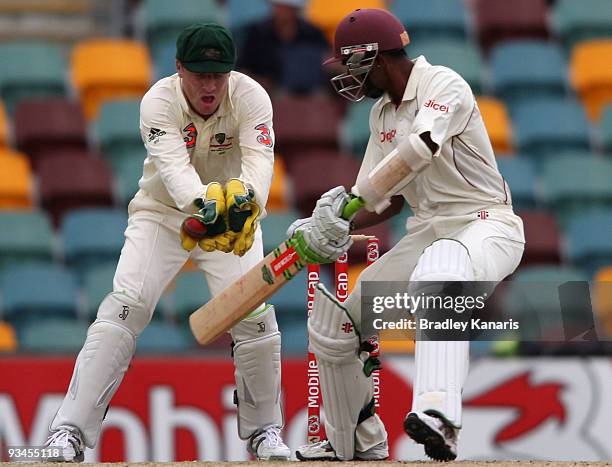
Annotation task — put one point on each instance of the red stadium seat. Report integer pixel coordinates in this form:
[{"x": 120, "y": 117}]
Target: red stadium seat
[
  {"x": 542, "y": 238},
  {"x": 51, "y": 124},
  {"x": 499, "y": 20},
  {"x": 73, "y": 181}
]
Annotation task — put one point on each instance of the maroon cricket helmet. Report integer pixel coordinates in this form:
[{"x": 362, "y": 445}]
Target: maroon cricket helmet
[{"x": 368, "y": 26}]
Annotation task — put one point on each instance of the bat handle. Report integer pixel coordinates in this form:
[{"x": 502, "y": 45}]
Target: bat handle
[{"x": 352, "y": 207}]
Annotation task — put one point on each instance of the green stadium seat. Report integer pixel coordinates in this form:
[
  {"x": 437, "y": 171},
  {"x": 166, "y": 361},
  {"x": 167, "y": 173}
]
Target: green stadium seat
[
  {"x": 581, "y": 21},
  {"x": 93, "y": 236},
  {"x": 459, "y": 55},
  {"x": 31, "y": 69},
  {"x": 274, "y": 227},
  {"x": 38, "y": 291},
  {"x": 127, "y": 173},
  {"x": 606, "y": 129},
  {"x": 165, "y": 20},
  {"x": 295, "y": 338},
  {"x": 163, "y": 338},
  {"x": 355, "y": 128},
  {"x": 118, "y": 129},
  {"x": 590, "y": 240},
  {"x": 25, "y": 236},
  {"x": 520, "y": 175},
  {"x": 432, "y": 19},
  {"x": 62, "y": 336},
  {"x": 190, "y": 293},
  {"x": 572, "y": 185},
  {"x": 97, "y": 284}
]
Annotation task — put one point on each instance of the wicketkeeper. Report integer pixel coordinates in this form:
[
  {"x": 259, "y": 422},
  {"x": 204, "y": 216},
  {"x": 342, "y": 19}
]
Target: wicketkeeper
[
  {"x": 426, "y": 127},
  {"x": 206, "y": 178}
]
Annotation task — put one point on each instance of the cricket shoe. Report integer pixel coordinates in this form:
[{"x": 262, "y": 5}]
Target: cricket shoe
[
  {"x": 68, "y": 443},
  {"x": 267, "y": 445},
  {"x": 434, "y": 432},
  {"x": 323, "y": 451}
]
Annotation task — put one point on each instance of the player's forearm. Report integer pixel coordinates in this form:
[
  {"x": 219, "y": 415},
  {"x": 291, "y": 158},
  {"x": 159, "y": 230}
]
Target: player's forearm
[{"x": 368, "y": 219}]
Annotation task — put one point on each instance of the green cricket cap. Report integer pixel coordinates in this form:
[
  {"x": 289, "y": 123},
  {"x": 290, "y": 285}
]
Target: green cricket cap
[{"x": 206, "y": 48}]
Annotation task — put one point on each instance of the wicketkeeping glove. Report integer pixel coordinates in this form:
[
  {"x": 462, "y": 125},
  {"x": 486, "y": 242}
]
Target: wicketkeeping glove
[
  {"x": 208, "y": 225},
  {"x": 242, "y": 214}
]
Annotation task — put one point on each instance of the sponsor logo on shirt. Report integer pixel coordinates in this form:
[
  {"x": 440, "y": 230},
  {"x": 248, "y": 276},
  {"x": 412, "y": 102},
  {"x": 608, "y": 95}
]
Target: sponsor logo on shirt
[
  {"x": 191, "y": 135},
  {"x": 387, "y": 136},
  {"x": 264, "y": 137},
  {"x": 154, "y": 135},
  {"x": 431, "y": 104}
]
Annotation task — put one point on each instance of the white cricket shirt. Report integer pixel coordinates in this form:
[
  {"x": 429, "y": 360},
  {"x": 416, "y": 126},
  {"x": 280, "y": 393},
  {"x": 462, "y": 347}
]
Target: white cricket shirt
[
  {"x": 462, "y": 176},
  {"x": 186, "y": 152}
]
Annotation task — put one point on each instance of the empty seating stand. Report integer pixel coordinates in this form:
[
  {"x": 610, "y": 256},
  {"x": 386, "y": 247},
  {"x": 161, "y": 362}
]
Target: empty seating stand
[
  {"x": 592, "y": 75},
  {"x": 16, "y": 181}
]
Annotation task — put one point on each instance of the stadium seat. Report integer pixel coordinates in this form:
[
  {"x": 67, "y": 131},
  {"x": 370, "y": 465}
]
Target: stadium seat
[
  {"x": 93, "y": 236},
  {"x": 527, "y": 69},
  {"x": 190, "y": 293},
  {"x": 4, "y": 126},
  {"x": 165, "y": 20},
  {"x": 581, "y": 21},
  {"x": 317, "y": 172},
  {"x": 72, "y": 181},
  {"x": 533, "y": 299},
  {"x": 163, "y": 338},
  {"x": 606, "y": 129},
  {"x": 498, "y": 124},
  {"x": 25, "y": 236},
  {"x": 295, "y": 337},
  {"x": 602, "y": 300},
  {"x": 355, "y": 270},
  {"x": 127, "y": 173},
  {"x": 31, "y": 69},
  {"x": 242, "y": 12},
  {"x": 520, "y": 175},
  {"x": 358, "y": 252},
  {"x": 326, "y": 15},
  {"x": 97, "y": 284},
  {"x": 302, "y": 69},
  {"x": 49, "y": 125},
  {"x": 38, "y": 291},
  {"x": 499, "y": 20},
  {"x": 571, "y": 185},
  {"x": 62, "y": 336},
  {"x": 592, "y": 75},
  {"x": 432, "y": 19},
  {"x": 355, "y": 128},
  {"x": 106, "y": 69},
  {"x": 16, "y": 183},
  {"x": 459, "y": 55},
  {"x": 118, "y": 129},
  {"x": 542, "y": 238},
  {"x": 544, "y": 127},
  {"x": 279, "y": 196},
  {"x": 589, "y": 245},
  {"x": 300, "y": 122},
  {"x": 165, "y": 61},
  {"x": 8, "y": 338},
  {"x": 290, "y": 301},
  {"x": 274, "y": 227}
]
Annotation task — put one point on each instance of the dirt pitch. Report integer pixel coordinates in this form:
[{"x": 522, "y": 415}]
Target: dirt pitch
[{"x": 326, "y": 464}]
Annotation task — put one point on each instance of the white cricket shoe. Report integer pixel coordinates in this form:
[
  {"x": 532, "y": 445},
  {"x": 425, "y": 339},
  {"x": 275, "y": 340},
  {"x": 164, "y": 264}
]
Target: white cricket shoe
[
  {"x": 323, "y": 451},
  {"x": 268, "y": 445},
  {"x": 434, "y": 432},
  {"x": 68, "y": 440}
]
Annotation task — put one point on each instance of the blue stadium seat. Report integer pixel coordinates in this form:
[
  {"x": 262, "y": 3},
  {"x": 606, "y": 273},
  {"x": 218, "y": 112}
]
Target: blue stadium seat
[
  {"x": 521, "y": 177},
  {"x": 582, "y": 21},
  {"x": 93, "y": 236},
  {"x": 274, "y": 228},
  {"x": 53, "y": 336},
  {"x": 432, "y": 19},
  {"x": 242, "y": 12},
  {"x": 31, "y": 69},
  {"x": 97, "y": 284},
  {"x": 294, "y": 338},
  {"x": 162, "y": 338},
  {"x": 606, "y": 129},
  {"x": 118, "y": 129},
  {"x": 127, "y": 174},
  {"x": 459, "y": 55},
  {"x": 190, "y": 293},
  {"x": 38, "y": 291},
  {"x": 545, "y": 127},
  {"x": 572, "y": 185},
  {"x": 528, "y": 69},
  {"x": 165, "y": 20},
  {"x": 165, "y": 61},
  {"x": 355, "y": 127},
  {"x": 590, "y": 240},
  {"x": 25, "y": 236}
]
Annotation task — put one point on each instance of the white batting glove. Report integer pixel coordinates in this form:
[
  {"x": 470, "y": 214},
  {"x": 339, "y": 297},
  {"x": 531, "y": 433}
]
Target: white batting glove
[{"x": 326, "y": 217}]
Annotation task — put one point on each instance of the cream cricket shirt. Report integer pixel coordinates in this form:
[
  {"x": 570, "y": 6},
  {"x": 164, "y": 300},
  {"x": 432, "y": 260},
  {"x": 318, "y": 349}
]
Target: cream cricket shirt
[
  {"x": 186, "y": 152},
  {"x": 462, "y": 177}
]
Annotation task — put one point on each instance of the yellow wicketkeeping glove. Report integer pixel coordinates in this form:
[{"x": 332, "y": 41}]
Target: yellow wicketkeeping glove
[
  {"x": 242, "y": 214},
  {"x": 208, "y": 225}
]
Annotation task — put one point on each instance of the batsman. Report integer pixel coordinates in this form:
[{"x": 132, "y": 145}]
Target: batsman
[
  {"x": 210, "y": 154},
  {"x": 429, "y": 146}
]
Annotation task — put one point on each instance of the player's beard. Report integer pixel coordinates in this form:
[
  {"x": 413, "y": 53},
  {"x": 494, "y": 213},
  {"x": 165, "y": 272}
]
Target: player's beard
[{"x": 371, "y": 91}]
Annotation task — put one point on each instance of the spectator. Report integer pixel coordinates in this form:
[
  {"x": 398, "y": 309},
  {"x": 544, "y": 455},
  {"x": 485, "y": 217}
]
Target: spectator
[{"x": 284, "y": 50}]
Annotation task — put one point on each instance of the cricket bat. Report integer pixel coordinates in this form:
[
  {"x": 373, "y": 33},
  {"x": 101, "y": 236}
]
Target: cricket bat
[{"x": 243, "y": 296}]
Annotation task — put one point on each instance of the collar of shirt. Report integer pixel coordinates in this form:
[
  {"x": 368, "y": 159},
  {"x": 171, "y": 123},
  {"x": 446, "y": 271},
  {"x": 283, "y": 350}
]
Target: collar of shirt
[
  {"x": 420, "y": 65},
  {"x": 225, "y": 107}
]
